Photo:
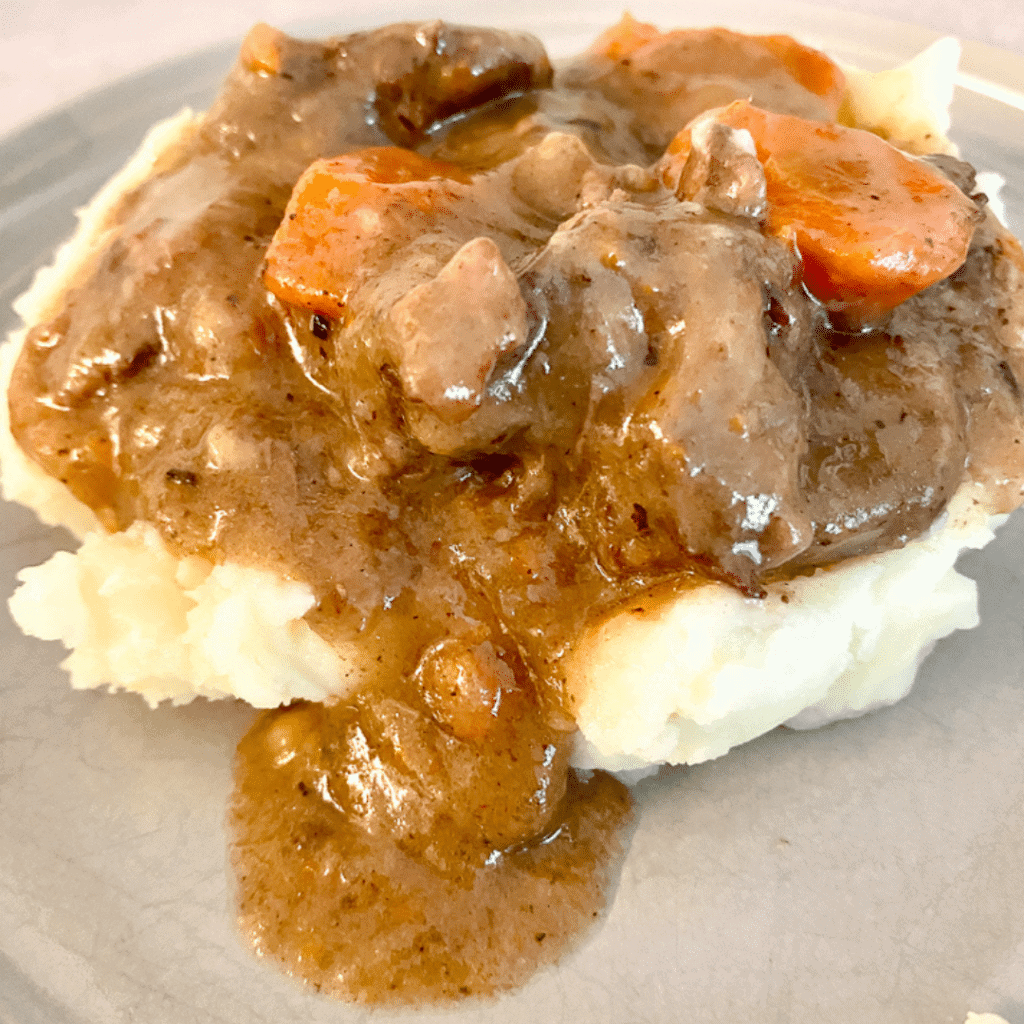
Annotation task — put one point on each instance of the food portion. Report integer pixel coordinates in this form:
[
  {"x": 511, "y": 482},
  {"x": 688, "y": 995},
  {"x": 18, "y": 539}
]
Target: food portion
[
  {"x": 872, "y": 226},
  {"x": 507, "y": 418}
]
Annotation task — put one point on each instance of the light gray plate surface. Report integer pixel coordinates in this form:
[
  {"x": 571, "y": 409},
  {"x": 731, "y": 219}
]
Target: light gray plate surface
[{"x": 870, "y": 872}]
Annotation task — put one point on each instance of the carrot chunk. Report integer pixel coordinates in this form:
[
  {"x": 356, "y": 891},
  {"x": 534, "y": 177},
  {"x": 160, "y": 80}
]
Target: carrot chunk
[
  {"x": 261, "y": 50},
  {"x": 345, "y": 211},
  {"x": 722, "y": 52},
  {"x": 872, "y": 225},
  {"x": 624, "y": 38},
  {"x": 815, "y": 71}
]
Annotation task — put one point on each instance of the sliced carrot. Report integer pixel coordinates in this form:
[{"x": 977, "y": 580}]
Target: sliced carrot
[
  {"x": 815, "y": 71},
  {"x": 722, "y": 52},
  {"x": 872, "y": 225},
  {"x": 345, "y": 209}
]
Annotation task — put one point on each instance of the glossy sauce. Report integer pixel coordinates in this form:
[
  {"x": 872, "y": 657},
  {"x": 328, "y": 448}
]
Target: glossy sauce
[{"x": 401, "y": 864}]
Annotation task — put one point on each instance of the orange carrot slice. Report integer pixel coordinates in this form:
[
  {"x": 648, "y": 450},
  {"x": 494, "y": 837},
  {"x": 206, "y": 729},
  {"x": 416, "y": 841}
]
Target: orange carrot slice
[
  {"x": 719, "y": 50},
  {"x": 345, "y": 210},
  {"x": 872, "y": 225}
]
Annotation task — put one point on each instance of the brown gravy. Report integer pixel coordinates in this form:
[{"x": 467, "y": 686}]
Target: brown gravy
[
  {"x": 394, "y": 863},
  {"x": 659, "y": 405}
]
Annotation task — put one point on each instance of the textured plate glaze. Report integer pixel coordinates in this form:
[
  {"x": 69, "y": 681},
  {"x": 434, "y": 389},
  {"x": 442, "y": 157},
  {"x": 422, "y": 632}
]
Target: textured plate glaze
[{"x": 869, "y": 872}]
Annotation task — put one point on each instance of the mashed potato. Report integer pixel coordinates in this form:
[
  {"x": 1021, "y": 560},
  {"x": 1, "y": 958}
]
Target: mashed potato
[
  {"x": 683, "y": 682},
  {"x": 720, "y": 669}
]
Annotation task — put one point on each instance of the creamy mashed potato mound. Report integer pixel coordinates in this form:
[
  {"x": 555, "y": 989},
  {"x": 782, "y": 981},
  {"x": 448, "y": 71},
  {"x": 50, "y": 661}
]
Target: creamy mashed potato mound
[
  {"x": 683, "y": 682},
  {"x": 692, "y": 677},
  {"x": 137, "y": 618},
  {"x": 908, "y": 105}
]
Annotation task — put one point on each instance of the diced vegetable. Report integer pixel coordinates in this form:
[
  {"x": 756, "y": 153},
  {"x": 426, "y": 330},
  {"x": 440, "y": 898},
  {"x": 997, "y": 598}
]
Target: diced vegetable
[
  {"x": 625, "y": 37},
  {"x": 343, "y": 209},
  {"x": 872, "y": 225},
  {"x": 720, "y": 51},
  {"x": 261, "y": 50}
]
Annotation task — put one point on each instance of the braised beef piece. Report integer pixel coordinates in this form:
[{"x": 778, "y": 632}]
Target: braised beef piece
[
  {"x": 722, "y": 173},
  {"x": 440, "y": 71}
]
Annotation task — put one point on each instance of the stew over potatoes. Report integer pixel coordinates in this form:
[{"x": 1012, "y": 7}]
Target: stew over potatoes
[{"x": 481, "y": 351}]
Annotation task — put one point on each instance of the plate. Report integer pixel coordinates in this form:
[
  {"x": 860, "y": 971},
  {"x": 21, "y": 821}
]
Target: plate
[{"x": 867, "y": 872}]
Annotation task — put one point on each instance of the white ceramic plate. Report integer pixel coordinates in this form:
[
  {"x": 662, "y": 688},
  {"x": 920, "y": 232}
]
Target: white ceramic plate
[{"x": 870, "y": 872}]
